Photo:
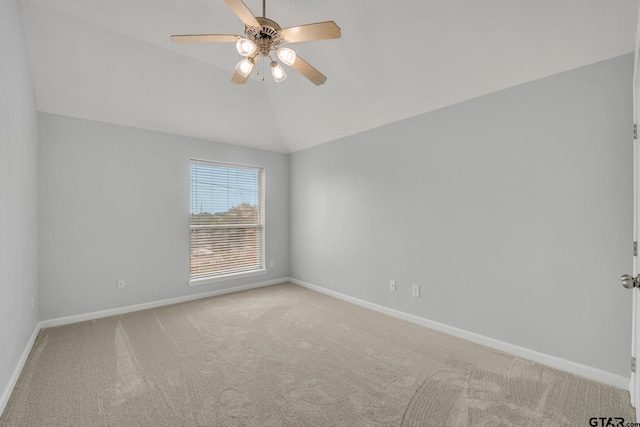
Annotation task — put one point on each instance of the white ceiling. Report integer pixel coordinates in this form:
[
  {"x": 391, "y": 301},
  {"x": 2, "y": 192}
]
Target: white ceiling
[{"x": 112, "y": 61}]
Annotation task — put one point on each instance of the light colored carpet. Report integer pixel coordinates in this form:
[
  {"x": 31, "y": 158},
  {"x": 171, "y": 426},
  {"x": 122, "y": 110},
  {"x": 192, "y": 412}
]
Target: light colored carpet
[{"x": 287, "y": 356}]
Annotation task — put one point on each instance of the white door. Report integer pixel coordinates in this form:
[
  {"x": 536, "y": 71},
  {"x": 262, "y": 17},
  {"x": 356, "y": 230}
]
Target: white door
[{"x": 635, "y": 338}]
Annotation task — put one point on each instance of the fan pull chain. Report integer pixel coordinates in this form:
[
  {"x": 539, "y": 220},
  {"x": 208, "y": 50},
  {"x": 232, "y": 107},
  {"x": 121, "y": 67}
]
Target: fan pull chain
[{"x": 261, "y": 64}]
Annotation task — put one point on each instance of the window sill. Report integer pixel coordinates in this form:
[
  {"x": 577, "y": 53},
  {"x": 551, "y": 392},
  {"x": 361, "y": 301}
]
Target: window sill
[{"x": 214, "y": 279}]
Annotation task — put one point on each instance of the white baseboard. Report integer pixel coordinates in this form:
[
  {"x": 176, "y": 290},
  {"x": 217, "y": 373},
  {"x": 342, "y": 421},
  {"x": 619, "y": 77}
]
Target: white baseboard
[
  {"x": 6, "y": 393},
  {"x": 525, "y": 353},
  {"x": 144, "y": 306}
]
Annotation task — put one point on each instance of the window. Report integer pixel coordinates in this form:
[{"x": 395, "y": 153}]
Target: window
[{"x": 227, "y": 220}]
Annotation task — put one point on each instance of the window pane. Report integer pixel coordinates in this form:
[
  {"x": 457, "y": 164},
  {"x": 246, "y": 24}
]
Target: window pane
[
  {"x": 224, "y": 250},
  {"x": 226, "y": 219},
  {"x": 223, "y": 195}
]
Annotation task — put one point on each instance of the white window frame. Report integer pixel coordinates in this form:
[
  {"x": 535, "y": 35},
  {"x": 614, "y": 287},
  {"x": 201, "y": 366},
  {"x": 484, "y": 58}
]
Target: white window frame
[{"x": 261, "y": 226}]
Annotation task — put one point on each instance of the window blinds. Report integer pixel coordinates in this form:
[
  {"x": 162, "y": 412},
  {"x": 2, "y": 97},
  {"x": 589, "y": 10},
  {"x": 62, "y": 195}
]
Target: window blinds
[{"x": 226, "y": 219}]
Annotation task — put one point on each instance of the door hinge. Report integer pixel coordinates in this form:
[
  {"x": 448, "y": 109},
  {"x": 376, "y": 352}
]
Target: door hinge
[
  {"x": 635, "y": 248},
  {"x": 633, "y": 364},
  {"x": 635, "y": 131}
]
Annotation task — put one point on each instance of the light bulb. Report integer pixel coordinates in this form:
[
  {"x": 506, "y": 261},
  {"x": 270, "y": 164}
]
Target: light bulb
[
  {"x": 244, "y": 67},
  {"x": 245, "y": 47},
  {"x": 286, "y": 55},
  {"x": 277, "y": 72}
]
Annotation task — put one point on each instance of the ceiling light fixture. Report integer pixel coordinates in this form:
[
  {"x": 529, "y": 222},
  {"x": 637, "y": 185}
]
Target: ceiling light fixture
[
  {"x": 277, "y": 72},
  {"x": 244, "y": 67},
  {"x": 245, "y": 47},
  {"x": 286, "y": 55}
]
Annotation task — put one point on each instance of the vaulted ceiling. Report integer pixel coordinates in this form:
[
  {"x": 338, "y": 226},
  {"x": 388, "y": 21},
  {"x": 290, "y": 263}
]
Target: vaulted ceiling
[{"x": 112, "y": 61}]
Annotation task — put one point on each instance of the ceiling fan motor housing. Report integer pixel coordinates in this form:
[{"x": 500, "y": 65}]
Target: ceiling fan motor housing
[{"x": 267, "y": 37}]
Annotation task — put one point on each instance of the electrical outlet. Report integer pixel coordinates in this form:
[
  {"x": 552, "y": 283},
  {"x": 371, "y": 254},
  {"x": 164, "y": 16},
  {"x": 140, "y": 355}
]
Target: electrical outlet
[
  {"x": 415, "y": 290},
  {"x": 121, "y": 284},
  {"x": 392, "y": 285},
  {"x": 272, "y": 263},
  {"x": 33, "y": 303}
]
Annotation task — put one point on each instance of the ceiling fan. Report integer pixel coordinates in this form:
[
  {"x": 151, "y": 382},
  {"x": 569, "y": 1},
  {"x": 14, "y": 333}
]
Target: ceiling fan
[{"x": 261, "y": 37}]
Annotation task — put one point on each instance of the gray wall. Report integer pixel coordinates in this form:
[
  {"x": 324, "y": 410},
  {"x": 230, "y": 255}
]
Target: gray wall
[
  {"x": 513, "y": 212},
  {"x": 18, "y": 193},
  {"x": 114, "y": 204}
]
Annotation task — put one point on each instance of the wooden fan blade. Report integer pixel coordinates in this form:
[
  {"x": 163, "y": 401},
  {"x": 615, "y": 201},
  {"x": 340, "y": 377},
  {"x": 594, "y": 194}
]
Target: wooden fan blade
[
  {"x": 243, "y": 12},
  {"x": 308, "y": 71},
  {"x": 317, "y": 31},
  {"x": 205, "y": 38},
  {"x": 237, "y": 77}
]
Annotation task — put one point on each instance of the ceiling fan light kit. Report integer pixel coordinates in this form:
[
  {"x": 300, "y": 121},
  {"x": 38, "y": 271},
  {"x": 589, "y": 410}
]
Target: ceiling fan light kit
[
  {"x": 261, "y": 37},
  {"x": 245, "y": 47},
  {"x": 286, "y": 55},
  {"x": 244, "y": 67},
  {"x": 277, "y": 72}
]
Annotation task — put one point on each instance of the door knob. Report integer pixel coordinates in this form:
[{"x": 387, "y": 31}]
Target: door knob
[{"x": 630, "y": 282}]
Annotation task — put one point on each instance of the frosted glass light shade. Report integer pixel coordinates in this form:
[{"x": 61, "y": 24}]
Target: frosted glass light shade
[
  {"x": 244, "y": 67},
  {"x": 278, "y": 72},
  {"x": 286, "y": 55},
  {"x": 245, "y": 47}
]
